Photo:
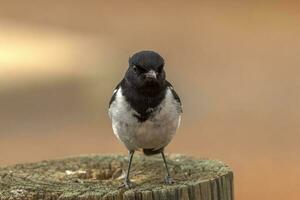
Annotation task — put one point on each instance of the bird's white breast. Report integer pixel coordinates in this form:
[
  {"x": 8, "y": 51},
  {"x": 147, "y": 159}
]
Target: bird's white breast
[{"x": 156, "y": 132}]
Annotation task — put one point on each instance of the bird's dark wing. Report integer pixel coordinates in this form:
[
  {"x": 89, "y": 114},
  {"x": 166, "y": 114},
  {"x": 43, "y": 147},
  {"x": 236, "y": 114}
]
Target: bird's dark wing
[
  {"x": 114, "y": 94},
  {"x": 175, "y": 95}
]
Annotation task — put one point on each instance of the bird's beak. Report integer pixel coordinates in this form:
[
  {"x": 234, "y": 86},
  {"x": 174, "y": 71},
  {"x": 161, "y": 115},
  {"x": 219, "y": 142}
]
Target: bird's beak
[{"x": 151, "y": 74}]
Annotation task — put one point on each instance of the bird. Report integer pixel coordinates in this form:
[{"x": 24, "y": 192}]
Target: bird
[{"x": 144, "y": 109}]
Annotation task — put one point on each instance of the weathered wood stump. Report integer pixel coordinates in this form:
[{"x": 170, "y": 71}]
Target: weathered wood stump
[{"x": 98, "y": 177}]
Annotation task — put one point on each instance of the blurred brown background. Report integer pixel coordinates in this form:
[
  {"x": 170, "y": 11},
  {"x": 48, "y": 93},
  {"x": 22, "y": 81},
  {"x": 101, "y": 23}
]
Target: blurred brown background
[{"x": 234, "y": 64}]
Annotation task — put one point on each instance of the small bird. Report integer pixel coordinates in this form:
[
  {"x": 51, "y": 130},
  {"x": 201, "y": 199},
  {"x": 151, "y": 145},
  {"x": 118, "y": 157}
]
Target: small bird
[{"x": 145, "y": 109}]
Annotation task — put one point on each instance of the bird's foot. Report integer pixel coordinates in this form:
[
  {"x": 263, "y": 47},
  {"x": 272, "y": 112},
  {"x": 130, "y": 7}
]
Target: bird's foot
[
  {"x": 169, "y": 180},
  {"x": 126, "y": 184}
]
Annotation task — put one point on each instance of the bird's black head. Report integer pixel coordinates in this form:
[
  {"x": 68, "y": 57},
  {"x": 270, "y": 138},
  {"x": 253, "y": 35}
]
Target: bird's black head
[{"x": 146, "y": 71}]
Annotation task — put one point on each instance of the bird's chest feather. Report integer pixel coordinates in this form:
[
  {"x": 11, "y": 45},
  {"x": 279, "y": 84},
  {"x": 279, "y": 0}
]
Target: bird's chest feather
[{"x": 159, "y": 127}]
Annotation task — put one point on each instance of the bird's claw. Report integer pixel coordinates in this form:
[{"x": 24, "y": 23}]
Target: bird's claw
[
  {"x": 127, "y": 184},
  {"x": 169, "y": 180}
]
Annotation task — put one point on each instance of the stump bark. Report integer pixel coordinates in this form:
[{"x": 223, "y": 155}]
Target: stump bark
[{"x": 96, "y": 177}]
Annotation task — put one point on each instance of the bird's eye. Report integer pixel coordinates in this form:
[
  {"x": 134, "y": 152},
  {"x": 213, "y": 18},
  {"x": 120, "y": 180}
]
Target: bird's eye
[{"x": 134, "y": 68}]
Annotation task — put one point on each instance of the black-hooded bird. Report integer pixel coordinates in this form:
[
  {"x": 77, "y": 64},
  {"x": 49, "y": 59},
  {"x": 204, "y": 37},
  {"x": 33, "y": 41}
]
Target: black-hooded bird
[{"x": 145, "y": 109}]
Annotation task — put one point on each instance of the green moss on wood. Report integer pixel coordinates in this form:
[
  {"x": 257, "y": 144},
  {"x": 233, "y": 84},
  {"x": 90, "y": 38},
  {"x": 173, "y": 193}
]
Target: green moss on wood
[{"x": 98, "y": 177}]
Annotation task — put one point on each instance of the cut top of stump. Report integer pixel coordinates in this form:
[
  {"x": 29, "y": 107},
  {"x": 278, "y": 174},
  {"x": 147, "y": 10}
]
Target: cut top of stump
[{"x": 99, "y": 177}]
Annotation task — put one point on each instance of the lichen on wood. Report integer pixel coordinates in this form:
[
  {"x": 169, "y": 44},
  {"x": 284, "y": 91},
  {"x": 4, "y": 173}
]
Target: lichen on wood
[{"x": 94, "y": 177}]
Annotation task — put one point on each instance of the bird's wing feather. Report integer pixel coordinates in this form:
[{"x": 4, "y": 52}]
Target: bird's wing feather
[
  {"x": 175, "y": 95},
  {"x": 114, "y": 94}
]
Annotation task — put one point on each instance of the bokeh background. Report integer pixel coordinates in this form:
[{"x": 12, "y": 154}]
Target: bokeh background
[{"x": 234, "y": 64}]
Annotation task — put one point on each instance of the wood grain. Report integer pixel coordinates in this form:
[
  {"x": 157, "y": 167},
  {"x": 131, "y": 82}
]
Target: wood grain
[{"x": 98, "y": 177}]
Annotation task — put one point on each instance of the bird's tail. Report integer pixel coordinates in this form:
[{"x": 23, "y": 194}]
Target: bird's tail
[{"x": 150, "y": 152}]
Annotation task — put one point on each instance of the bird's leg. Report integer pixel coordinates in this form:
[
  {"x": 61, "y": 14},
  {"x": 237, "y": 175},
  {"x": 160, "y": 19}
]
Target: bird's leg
[
  {"x": 168, "y": 178},
  {"x": 127, "y": 182}
]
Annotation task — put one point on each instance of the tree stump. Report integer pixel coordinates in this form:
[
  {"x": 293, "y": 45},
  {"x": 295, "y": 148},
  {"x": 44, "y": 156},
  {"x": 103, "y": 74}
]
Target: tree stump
[{"x": 95, "y": 177}]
